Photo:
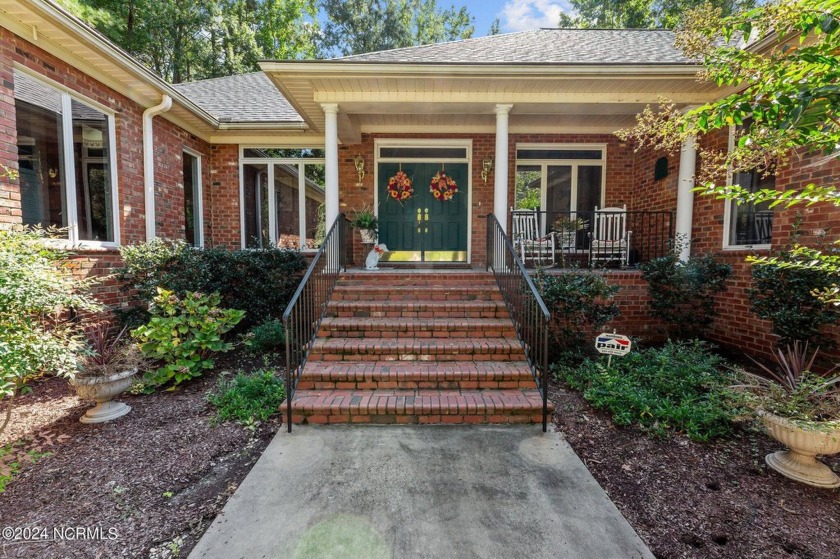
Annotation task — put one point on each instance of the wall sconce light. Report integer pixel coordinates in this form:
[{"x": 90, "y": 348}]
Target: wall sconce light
[
  {"x": 53, "y": 173},
  {"x": 486, "y": 166},
  {"x": 359, "y": 163}
]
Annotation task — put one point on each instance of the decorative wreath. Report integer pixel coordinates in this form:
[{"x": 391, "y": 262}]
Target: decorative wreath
[
  {"x": 443, "y": 186},
  {"x": 399, "y": 187}
]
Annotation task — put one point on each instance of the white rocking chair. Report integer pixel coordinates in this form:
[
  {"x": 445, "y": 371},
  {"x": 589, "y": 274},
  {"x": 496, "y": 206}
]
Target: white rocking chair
[
  {"x": 527, "y": 239},
  {"x": 610, "y": 239}
]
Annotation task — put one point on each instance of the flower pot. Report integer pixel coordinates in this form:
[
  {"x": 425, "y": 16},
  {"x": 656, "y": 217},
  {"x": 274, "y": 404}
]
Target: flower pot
[
  {"x": 804, "y": 442},
  {"x": 368, "y": 236},
  {"x": 103, "y": 389}
]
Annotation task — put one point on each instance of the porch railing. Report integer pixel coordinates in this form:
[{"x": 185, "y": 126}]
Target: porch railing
[
  {"x": 650, "y": 234},
  {"x": 527, "y": 309},
  {"x": 306, "y": 309}
]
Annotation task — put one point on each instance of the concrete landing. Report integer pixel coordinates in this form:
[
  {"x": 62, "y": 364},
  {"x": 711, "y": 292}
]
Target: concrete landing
[{"x": 447, "y": 492}]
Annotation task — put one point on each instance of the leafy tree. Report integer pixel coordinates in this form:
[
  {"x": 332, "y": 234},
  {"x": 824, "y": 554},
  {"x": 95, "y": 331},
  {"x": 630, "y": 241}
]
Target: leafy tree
[
  {"x": 359, "y": 26},
  {"x": 495, "y": 27},
  {"x": 789, "y": 106},
  {"x": 191, "y": 40},
  {"x": 637, "y": 14}
]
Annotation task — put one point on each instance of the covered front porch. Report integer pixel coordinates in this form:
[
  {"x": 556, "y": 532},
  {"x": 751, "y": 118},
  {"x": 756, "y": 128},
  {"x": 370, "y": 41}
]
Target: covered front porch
[{"x": 530, "y": 144}]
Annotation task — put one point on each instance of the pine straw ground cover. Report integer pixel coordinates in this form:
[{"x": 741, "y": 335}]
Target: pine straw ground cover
[
  {"x": 702, "y": 500},
  {"x": 157, "y": 476}
]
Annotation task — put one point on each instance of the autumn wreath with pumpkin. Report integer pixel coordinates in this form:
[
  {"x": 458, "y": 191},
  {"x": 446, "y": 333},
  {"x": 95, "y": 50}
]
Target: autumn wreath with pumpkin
[
  {"x": 443, "y": 186},
  {"x": 399, "y": 187}
]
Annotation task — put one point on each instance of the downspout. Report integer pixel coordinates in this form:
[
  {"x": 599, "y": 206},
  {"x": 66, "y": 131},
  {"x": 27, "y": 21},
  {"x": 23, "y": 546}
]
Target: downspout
[{"x": 149, "y": 162}]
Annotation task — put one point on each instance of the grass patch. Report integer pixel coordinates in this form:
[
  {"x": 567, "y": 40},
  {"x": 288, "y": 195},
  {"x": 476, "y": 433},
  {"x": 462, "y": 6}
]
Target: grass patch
[
  {"x": 679, "y": 388},
  {"x": 13, "y": 458},
  {"x": 248, "y": 397}
]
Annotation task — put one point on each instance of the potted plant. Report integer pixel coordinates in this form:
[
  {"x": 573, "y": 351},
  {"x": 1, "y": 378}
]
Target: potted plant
[
  {"x": 566, "y": 228},
  {"x": 106, "y": 372},
  {"x": 800, "y": 409},
  {"x": 366, "y": 222}
]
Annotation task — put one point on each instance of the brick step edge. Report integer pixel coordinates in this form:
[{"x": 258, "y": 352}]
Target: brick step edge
[
  {"x": 422, "y": 406},
  {"x": 348, "y": 375},
  {"x": 418, "y": 309},
  {"x": 355, "y": 327},
  {"x": 410, "y": 349}
]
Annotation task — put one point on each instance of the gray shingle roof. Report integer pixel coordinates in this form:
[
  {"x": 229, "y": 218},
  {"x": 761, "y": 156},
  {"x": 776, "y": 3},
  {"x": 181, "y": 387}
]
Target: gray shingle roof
[
  {"x": 243, "y": 98},
  {"x": 544, "y": 46}
]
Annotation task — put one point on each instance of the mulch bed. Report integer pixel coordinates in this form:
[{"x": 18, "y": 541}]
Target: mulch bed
[
  {"x": 701, "y": 500},
  {"x": 156, "y": 477}
]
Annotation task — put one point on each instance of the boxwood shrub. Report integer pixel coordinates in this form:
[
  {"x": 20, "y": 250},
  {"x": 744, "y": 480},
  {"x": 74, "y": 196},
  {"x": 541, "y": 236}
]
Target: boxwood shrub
[{"x": 259, "y": 282}]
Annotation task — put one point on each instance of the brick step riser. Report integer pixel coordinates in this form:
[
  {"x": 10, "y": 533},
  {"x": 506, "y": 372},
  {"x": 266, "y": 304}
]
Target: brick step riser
[
  {"x": 422, "y": 356},
  {"x": 388, "y": 384},
  {"x": 422, "y": 332},
  {"x": 398, "y": 313},
  {"x": 426, "y": 279},
  {"x": 432, "y": 419},
  {"x": 415, "y": 296}
]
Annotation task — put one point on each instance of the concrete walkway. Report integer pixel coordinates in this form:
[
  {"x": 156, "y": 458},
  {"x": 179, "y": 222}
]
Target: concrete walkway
[{"x": 447, "y": 492}]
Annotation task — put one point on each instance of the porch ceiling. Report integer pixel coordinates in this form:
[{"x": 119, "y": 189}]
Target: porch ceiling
[{"x": 418, "y": 98}]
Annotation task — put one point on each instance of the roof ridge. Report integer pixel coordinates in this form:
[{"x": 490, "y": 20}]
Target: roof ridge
[
  {"x": 205, "y": 80},
  {"x": 468, "y": 39}
]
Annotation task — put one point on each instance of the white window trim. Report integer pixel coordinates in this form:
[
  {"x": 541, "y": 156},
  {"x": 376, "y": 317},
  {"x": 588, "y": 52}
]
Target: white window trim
[
  {"x": 727, "y": 208},
  {"x": 198, "y": 198},
  {"x": 67, "y": 96},
  {"x": 573, "y": 163},
  {"x": 269, "y": 162}
]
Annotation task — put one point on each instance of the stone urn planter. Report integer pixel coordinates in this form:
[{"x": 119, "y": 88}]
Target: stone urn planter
[
  {"x": 103, "y": 389},
  {"x": 368, "y": 236},
  {"x": 804, "y": 442}
]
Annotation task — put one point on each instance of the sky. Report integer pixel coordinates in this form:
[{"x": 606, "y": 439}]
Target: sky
[{"x": 514, "y": 15}]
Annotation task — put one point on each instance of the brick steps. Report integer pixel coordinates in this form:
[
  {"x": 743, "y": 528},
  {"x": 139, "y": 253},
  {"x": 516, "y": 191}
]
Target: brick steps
[
  {"x": 417, "y": 406},
  {"x": 437, "y": 328},
  {"x": 373, "y": 375},
  {"x": 416, "y": 347},
  {"x": 418, "y": 309},
  {"x": 428, "y": 349}
]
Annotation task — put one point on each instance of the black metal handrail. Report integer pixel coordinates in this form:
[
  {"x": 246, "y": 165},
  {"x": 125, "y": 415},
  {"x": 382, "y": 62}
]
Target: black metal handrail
[
  {"x": 308, "y": 305},
  {"x": 526, "y": 307}
]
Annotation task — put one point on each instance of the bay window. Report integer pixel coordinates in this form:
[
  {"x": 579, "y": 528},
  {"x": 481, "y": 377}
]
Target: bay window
[{"x": 67, "y": 163}]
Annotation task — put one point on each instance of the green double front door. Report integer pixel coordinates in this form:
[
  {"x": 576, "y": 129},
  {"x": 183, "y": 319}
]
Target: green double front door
[{"x": 423, "y": 228}]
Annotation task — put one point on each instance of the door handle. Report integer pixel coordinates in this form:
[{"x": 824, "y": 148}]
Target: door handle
[
  {"x": 419, "y": 217},
  {"x": 427, "y": 214}
]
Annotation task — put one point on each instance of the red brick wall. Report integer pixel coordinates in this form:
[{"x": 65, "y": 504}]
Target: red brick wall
[
  {"x": 223, "y": 193},
  {"x": 170, "y": 140},
  {"x": 736, "y": 327}
]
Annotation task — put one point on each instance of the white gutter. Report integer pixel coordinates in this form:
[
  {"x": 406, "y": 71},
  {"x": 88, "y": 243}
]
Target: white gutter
[{"x": 149, "y": 162}]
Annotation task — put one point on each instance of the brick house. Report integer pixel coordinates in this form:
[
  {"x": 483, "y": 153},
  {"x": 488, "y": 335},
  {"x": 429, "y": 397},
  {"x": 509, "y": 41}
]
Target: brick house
[{"x": 116, "y": 155}]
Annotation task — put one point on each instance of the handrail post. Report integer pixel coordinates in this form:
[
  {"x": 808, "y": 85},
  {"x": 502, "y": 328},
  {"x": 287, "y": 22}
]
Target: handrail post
[
  {"x": 527, "y": 309},
  {"x": 308, "y": 306}
]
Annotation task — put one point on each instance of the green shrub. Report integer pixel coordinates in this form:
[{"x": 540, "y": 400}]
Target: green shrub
[
  {"x": 248, "y": 397},
  {"x": 577, "y": 301},
  {"x": 788, "y": 298},
  {"x": 267, "y": 337},
  {"x": 682, "y": 294},
  {"x": 259, "y": 282},
  {"x": 680, "y": 387},
  {"x": 183, "y": 333},
  {"x": 36, "y": 291}
]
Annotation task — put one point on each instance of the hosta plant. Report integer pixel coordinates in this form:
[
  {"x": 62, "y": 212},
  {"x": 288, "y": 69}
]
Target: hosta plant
[{"x": 183, "y": 334}]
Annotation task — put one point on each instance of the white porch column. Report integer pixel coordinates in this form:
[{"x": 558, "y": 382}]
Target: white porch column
[
  {"x": 500, "y": 190},
  {"x": 685, "y": 195},
  {"x": 331, "y": 156}
]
